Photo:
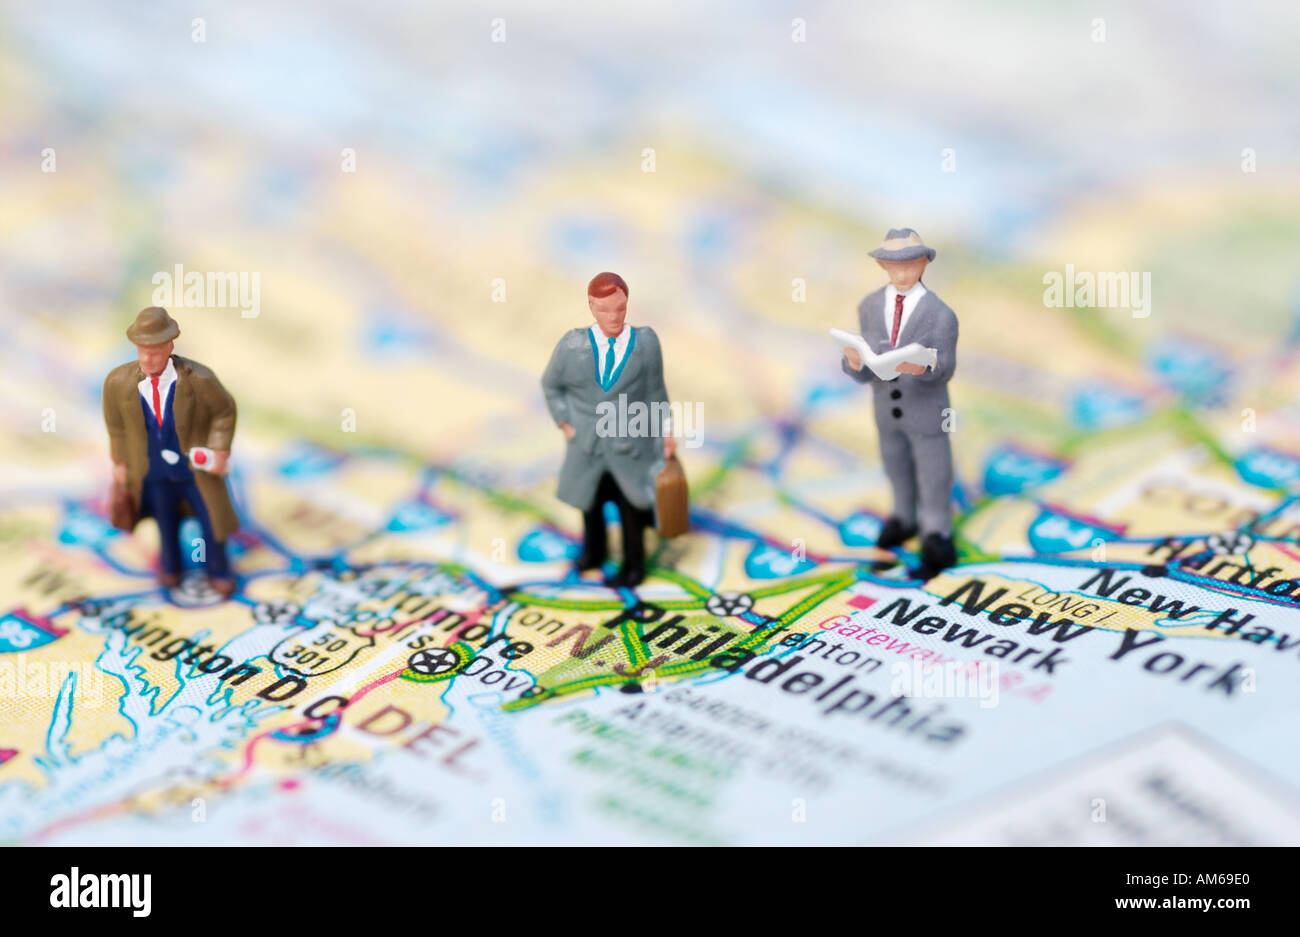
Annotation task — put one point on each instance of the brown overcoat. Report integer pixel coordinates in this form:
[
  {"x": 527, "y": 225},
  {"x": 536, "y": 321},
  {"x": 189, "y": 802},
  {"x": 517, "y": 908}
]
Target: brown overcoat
[{"x": 204, "y": 413}]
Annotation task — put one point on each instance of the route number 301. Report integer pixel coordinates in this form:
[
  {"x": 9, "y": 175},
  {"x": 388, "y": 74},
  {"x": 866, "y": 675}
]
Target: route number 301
[{"x": 324, "y": 648}]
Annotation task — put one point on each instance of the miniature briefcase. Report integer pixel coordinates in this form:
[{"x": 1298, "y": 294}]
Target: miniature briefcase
[
  {"x": 123, "y": 512},
  {"x": 672, "y": 500}
]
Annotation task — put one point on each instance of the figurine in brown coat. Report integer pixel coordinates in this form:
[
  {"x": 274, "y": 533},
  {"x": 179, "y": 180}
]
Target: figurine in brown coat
[{"x": 170, "y": 425}]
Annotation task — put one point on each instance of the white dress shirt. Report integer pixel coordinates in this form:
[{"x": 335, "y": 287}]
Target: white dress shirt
[
  {"x": 910, "y": 299},
  {"x": 165, "y": 382},
  {"x": 602, "y": 347},
  {"x": 621, "y": 343}
]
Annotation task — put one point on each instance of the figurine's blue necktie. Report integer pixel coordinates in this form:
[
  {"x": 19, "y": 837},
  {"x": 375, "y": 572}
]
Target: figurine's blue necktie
[{"x": 609, "y": 364}]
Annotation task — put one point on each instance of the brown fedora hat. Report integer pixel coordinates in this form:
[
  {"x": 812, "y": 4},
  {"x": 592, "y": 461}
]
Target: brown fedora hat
[{"x": 153, "y": 327}]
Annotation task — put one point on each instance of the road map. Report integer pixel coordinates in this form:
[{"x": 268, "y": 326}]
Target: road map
[{"x": 411, "y": 660}]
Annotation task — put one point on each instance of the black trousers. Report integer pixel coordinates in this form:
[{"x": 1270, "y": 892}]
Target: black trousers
[{"x": 635, "y": 520}]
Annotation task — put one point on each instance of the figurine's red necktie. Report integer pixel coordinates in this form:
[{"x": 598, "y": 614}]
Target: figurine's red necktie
[
  {"x": 157, "y": 401},
  {"x": 893, "y": 336}
]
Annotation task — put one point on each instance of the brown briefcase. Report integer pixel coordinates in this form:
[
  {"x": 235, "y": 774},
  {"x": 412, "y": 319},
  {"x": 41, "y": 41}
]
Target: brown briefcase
[
  {"x": 122, "y": 511},
  {"x": 673, "y": 500}
]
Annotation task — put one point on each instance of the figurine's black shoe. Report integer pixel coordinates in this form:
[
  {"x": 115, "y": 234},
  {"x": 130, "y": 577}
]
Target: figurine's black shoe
[
  {"x": 894, "y": 534},
  {"x": 587, "y": 560},
  {"x": 627, "y": 577},
  {"x": 937, "y": 554}
]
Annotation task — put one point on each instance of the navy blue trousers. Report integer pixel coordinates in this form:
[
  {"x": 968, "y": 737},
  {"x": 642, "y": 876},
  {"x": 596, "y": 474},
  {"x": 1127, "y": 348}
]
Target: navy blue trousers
[{"x": 162, "y": 499}]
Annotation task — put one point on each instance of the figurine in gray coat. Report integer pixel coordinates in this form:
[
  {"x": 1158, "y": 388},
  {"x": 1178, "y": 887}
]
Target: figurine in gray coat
[
  {"x": 913, "y": 415},
  {"x": 605, "y": 390}
]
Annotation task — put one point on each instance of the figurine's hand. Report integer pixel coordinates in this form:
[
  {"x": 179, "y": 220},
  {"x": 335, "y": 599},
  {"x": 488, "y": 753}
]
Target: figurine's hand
[
  {"x": 853, "y": 358},
  {"x": 119, "y": 474},
  {"x": 670, "y": 446},
  {"x": 219, "y": 459},
  {"x": 906, "y": 367},
  {"x": 569, "y": 431}
]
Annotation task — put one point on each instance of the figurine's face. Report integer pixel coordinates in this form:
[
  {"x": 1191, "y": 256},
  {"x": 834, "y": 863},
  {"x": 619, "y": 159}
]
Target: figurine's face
[
  {"x": 906, "y": 274},
  {"x": 610, "y": 312},
  {"x": 153, "y": 358}
]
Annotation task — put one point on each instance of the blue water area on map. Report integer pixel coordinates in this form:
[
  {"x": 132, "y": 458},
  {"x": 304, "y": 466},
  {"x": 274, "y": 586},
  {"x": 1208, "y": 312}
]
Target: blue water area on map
[
  {"x": 1095, "y": 406},
  {"x": 305, "y": 736},
  {"x": 828, "y": 391},
  {"x": 709, "y": 235},
  {"x": 585, "y": 239},
  {"x": 1191, "y": 369},
  {"x": 19, "y": 635},
  {"x": 305, "y": 460},
  {"x": 544, "y": 545},
  {"x": 1054, "y": 532},
  {"x": 83, "y": 527},
  {"x": 391, "y": 331},
  {"x": 1268, "y": 468},
  {"x": 860, "y": 529},
  {"x": 1011, "y": 470},
  {"x": 336, "y": 564},
  {"x": 417, "y": 515},
  {"x": 767, "y": 562}
]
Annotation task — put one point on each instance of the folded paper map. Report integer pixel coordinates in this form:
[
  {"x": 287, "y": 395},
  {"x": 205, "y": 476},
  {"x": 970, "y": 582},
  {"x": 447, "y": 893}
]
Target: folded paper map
[{"x": 885, "y": 364}]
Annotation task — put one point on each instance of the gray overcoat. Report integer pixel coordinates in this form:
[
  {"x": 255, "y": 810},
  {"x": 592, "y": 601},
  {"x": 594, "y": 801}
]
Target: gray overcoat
[{"x": 608, "y": 435}]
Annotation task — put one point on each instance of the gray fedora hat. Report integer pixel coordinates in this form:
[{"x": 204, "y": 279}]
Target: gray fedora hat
[{"x": 902, "y": 244}]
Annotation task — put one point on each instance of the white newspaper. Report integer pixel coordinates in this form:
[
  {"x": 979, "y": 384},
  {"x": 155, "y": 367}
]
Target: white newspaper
[{"x": 885, "y": 364}]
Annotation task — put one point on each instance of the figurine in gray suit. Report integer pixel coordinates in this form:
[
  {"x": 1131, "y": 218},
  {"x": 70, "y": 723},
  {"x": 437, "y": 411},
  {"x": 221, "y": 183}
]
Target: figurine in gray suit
[
  {"x": 598, "y": 381},
  {"x": 913, "y": 416}
]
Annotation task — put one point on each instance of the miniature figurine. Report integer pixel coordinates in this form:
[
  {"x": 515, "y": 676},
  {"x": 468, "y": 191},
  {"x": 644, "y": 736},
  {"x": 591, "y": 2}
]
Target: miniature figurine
[
  {"x": 913, "y": 416},
  {"x": 593, "y": 372},
  {"x": 170, "y": 426}
]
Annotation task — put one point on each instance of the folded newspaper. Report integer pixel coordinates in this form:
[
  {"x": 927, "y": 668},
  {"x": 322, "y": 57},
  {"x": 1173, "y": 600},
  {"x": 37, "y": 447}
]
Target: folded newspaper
[{"x": 885, "y": 364}]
